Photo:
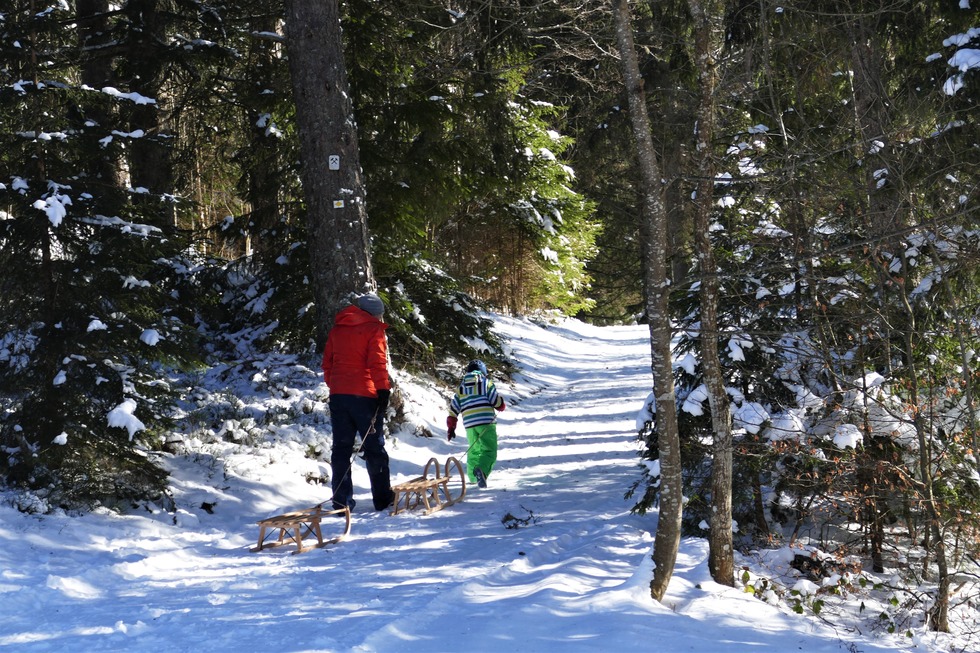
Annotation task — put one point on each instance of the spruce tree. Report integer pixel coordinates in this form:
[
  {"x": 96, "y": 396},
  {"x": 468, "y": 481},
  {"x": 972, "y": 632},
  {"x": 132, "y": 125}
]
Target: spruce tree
[{"x": 93, "y": 267}]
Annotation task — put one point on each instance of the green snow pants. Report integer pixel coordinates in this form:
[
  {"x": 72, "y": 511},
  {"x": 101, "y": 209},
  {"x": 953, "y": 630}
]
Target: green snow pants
[{"x": 483, "y": 449}]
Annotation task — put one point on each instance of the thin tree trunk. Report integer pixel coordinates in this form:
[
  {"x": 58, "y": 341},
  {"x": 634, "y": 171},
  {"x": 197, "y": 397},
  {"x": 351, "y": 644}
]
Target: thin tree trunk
[
  {"x": 708, "y": 18},
  {"x": 939, "y": 613},
  {"x": 336, "y": 214},
  {"x": 653, "y": 228}
]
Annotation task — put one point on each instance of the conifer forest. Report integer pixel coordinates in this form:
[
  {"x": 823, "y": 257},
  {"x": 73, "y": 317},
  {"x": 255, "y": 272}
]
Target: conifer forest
[{"x": 786, "y": 192}]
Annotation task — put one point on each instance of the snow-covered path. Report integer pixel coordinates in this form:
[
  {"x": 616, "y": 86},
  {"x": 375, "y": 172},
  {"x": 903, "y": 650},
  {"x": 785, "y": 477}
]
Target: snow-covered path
[
  {"x": 567, "y": 455},
  {"x": 547, "y": 558}
]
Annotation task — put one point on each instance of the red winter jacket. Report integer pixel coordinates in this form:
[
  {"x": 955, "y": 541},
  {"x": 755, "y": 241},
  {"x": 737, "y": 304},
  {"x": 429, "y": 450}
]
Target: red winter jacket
[{"x": 355, "y": 359}]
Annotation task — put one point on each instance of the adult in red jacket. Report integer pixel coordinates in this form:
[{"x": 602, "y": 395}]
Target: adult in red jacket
[{"x": 355, "y": 367}]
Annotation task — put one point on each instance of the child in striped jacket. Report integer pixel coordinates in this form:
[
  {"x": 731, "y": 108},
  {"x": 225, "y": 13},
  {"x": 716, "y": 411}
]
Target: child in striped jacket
[{"x": 477, "y": 401}]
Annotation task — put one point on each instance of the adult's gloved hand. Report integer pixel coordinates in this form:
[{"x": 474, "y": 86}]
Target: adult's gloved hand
[
  {"x": 383, "y": 397},
  {"x": 450, "y": 428}
]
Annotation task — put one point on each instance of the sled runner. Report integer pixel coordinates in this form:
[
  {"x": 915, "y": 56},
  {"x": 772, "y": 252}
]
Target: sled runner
[
  {"x": 298, "y": 524},
  {"x": 434, "y": 492}
]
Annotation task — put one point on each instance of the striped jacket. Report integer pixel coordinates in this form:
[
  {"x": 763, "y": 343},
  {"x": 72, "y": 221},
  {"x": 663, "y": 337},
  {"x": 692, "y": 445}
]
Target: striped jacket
[{"x": 476, "y": 400}]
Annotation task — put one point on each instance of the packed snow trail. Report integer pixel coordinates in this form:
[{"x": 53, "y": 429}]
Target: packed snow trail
[
  {"x": 547, "y": 558},
  {"x": 553, "y": 529}
]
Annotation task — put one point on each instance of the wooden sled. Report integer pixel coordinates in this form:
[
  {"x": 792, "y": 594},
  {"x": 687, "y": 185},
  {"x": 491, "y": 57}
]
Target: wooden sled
[
  {"x": 296, "y": 525},
  {"x": 435, "y": 492}
]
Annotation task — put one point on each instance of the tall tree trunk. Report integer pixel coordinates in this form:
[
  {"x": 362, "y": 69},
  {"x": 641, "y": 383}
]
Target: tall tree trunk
[
  {"x": 873, "y": 124},
  {"x": 653, "y": 229},
  {"x": 96, "y": 71},
  {"x": 886, "y": 217},
  {"x": 708, "y": 18},
  {"x": 336, "y": 215},
  {"x": 262, "y": 167},
  {"x": 150, "y": 158},
  {"x": 53, "y": 352},
  {"x": 679, "y": 226}
]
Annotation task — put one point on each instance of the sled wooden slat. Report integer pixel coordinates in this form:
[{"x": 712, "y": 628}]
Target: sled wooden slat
[
  {"x": 434, "y": 492},
  {"x": 297, "y": 525}
]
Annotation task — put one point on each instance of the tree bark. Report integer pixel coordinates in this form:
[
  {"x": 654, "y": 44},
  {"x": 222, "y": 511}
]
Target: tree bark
[
  {"x": 96, "y": 71},
  {"x": 886, "y": 217},
  {"x": 150, "y": 158},
  {"x": 708, "y": 18},
  {"x": 939, "y": 613},
  {"x": 336, "y": 214},
  {"x": 263, "y": 162},
  {"x": 653, "y": 229}
]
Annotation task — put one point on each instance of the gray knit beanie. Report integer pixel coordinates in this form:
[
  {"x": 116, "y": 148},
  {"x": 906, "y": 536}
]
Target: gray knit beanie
[{"x": 372, "y": 304}]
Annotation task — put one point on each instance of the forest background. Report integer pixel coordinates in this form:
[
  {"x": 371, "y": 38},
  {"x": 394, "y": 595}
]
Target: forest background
[{"x": 152, "y": 222}]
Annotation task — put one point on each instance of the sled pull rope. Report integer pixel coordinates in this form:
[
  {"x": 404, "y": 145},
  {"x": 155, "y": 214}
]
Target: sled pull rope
[
  {"x": 463, "y": 457},
  {"x": 360, "y": 446}
]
